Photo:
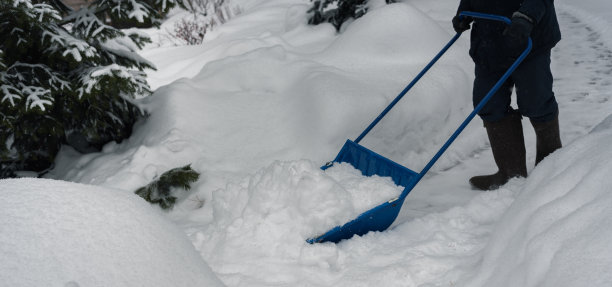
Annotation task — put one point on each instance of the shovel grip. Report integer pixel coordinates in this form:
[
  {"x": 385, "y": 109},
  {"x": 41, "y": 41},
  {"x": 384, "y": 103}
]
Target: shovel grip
[{"x": 485, "y": 16}]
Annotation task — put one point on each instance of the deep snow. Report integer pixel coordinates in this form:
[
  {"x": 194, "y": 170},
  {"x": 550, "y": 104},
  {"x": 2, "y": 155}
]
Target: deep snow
[
  {"x": 56, "y": 233},
  {"x": 267, "y": 99}
]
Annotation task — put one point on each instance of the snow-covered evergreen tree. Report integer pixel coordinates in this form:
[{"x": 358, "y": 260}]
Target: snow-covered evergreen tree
[
  {"x": 121, "y": 18},
  {"x": 66, "y": 78},
  {"x": 337, "y": 12}
]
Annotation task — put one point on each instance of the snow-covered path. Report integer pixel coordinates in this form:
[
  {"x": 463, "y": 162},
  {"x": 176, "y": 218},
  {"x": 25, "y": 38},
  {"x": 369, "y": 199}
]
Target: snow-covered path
[{"x": 582, "y": 65}]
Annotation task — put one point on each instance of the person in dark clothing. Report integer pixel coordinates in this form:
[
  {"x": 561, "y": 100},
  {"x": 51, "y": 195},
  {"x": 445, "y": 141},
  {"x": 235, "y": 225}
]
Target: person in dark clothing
[{"x": 493, "y": 47}]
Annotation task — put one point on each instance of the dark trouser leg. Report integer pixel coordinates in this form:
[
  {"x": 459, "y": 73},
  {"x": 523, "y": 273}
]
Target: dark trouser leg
[
  {"x": 534, "y": 94},
  {"x": 498, "y": 106},
  {"x": 533, "y": 82},
  {"x": 536, "y": 100}
]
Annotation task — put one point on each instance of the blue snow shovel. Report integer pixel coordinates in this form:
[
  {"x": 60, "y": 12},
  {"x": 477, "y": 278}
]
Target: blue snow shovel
[{"x": 370, "y": 163}]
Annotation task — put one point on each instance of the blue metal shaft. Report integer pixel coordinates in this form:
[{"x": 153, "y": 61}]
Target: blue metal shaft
[
  {"x": 486, "y": 98},
  {"x": 399, "y": 97},
  {"x": 485, "y": 16}
]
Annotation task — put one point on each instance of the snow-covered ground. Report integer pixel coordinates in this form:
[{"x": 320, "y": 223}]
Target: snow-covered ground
[
  {"x": 57, "y": 233},
  {"x": 267, "y": 99}
]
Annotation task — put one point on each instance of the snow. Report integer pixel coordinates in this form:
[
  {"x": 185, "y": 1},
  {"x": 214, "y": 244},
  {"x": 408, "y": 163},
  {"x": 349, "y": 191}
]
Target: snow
[
  {"x": 593, "y": 12},
  {"x": 55, "y": 233},
  {"x": 267, "y": 99},
  {"x": 556, "y": 231},
  {"x": 313, "y": 200},
  {"x": 365, "y": 193}
]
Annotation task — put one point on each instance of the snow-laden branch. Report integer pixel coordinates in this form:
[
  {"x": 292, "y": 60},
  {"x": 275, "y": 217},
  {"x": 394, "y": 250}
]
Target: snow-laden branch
[
  {"x": 72, "y": 46},
  {"x": 139, "y": 11},
  {"x": 133, "y": 9},
  {"x": 36, "y": 82},
  {"x": 37, "y": 97},
  {"x": 140, "y": 84},
  {"x": 87, "y": 24},
  {"x": 27, "y": 3},
  {"x": 40, "y": 12},
  {"x": 2, "y": 65},
  {"x": 125, "y": 48},
  {"x": 93, "y": 78},
  {"x": 10, "y": 94},
  {"x": 39, "y": 75},
  {"x": 45, "y": 10}
]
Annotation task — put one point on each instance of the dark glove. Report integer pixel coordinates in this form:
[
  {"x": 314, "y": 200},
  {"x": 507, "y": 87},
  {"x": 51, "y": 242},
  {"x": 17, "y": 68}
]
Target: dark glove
[
  {"x": 517, "y": 33},
  {"x": 461, "y": 23}
]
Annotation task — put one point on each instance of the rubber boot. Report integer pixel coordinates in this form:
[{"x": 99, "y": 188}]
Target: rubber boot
[
  {"x": 508, "y": 146},
  {"x": 547, "y": 138}
]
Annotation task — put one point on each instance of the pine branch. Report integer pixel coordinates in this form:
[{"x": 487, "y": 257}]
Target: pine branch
[{"x": 160, "y": 191}]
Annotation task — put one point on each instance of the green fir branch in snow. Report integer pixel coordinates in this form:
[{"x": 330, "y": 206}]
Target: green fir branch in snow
[{"x": 159, "y": 191}]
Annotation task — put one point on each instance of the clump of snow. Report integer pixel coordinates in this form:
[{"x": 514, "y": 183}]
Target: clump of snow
[
  {"x": 55, "y": 233},
  {"x": 259, "y": 227},
  {"x": 366, "y": 192},
  {"x": 298, "y": 197}
]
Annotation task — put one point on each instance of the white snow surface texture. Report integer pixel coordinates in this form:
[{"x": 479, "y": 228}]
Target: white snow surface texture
[
  {"x": 264, "y": 102},
  {"x": 56, "y": 233}
]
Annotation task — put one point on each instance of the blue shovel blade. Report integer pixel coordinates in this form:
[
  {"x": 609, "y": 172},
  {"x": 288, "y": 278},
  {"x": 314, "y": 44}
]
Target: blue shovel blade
[
  {"x": 382, "y": 216},
  {"x": 376, "y": 219}
]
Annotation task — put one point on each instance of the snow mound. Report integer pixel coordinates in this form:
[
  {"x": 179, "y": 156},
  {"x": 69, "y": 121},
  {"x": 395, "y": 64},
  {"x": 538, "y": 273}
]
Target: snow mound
[
  {"x": 55, "y": 233},
  {"x": 557, "y": 232},
  {"x": 271, "y": 213},
  {"x": 272, "y": 101},
  {"x": 259, "y": 227},
  {"x": 299, "y": 198},
  {"x": 388, "y": 29}
]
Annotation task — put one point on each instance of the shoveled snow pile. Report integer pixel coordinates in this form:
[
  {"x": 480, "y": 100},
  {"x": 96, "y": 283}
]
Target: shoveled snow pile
[
  {"x": 557, "y": 232},
  {"x": 259, "y": 226},
  {"x": 55, "y": 233},
  {"x": 297, "y": 200},
  {"x": 365, "y": 192}
]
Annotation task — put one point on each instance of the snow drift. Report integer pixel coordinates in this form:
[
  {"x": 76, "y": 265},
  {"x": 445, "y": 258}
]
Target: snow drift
[
  {"x": 55, "y": 233},
  {"x": 277, "y": 102},
  {"x": 557, "y": 231}
]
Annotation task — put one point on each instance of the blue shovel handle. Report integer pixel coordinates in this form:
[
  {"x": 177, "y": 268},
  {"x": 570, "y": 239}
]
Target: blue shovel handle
[
  {"x": 485, "y": 16},
  {"x": 381, "y": 217}
]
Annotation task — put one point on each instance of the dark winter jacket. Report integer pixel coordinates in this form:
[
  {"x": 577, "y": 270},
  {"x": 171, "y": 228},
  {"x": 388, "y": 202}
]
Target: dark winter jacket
[{"x": 487, "y": 42}]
